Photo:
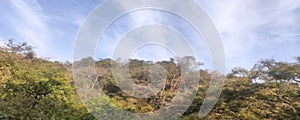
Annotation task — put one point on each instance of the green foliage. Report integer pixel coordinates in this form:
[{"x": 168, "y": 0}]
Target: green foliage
[{"x": 34, "y": 88}]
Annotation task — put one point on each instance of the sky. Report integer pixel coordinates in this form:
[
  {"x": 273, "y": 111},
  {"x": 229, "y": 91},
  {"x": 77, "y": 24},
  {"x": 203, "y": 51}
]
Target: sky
[{"x": 250, "y": 29}]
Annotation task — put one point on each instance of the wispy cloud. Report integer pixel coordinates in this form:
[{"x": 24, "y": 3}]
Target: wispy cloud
[
  {"x": 137, "y": 19},
  {"x": 50, "y": 26},
  {"x": 121, "y": 27},
  {"x": 30, "y": 24},
  {"x": 251, "y": 29},
  {"x": 255, "y": 29}
]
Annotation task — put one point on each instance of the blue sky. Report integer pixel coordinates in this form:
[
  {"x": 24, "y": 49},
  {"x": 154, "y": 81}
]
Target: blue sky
[{"x": 250, "y": 29}]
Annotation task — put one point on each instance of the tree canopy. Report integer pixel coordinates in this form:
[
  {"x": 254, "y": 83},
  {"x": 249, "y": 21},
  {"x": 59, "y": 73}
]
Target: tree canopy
[{"x": 35, "y": 88}]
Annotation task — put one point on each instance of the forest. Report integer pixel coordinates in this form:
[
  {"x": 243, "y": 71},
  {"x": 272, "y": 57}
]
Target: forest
[{"x": 32, "y": 87}]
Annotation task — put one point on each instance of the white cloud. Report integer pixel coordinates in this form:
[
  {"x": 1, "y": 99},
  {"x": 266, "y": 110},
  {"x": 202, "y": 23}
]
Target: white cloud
[
  {"x": 121, "y": 27},
  {"x": 30, "y": 24},
  {"x": 1, "y": 41},
  {"x": 139, "y": 18},
  {"x": 255, "y": 29},
  {"x": 251, "y": 29}
]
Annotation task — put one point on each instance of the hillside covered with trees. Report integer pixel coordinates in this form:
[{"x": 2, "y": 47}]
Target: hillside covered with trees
[{"x": 36, "y": 88}]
